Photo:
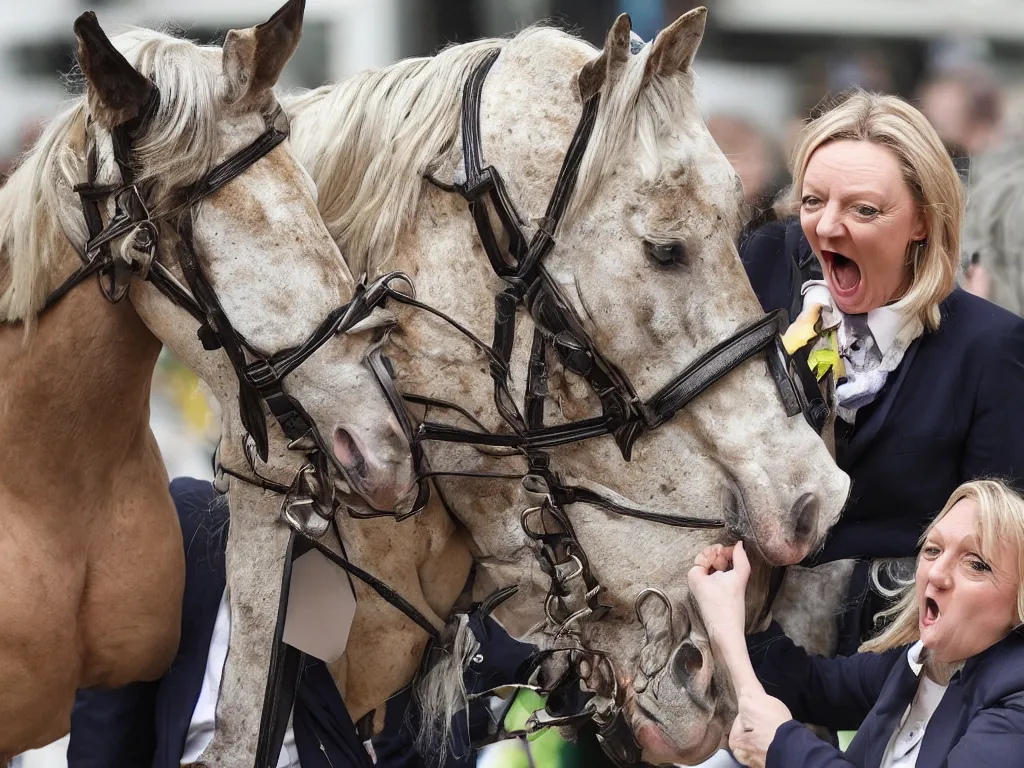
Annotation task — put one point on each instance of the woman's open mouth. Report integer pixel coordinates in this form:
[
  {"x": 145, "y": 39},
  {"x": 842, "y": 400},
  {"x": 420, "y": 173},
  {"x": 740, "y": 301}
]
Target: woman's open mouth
[
  {"x": 931, "y": 613},
  {"x": 844, "y": 273}
]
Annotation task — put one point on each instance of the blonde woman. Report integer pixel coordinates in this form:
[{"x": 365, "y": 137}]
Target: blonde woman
[
  {"x": 932, "y": 389},
  {"x": 943, "y": 685}
]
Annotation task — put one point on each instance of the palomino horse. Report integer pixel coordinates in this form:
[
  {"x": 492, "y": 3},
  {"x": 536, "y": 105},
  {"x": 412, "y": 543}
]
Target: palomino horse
[
  {"x": 642, "y": 282},
  {"x": 175, "y": 145}
]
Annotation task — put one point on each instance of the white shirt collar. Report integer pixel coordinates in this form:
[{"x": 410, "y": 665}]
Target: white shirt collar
[
  {"x": 914, "y": 657},
  {"x": 884, "y": 322}
]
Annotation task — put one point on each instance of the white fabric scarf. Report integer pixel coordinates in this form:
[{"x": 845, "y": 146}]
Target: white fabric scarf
[{"x": 871, "y": 346}]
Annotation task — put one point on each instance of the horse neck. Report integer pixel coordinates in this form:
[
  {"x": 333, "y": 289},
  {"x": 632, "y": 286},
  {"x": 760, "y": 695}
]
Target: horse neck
[{"x": 75, "y": 398}]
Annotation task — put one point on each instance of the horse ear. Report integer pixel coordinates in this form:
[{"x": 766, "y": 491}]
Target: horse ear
[
  {"x": 674, "y": 48},
  {"x": 117, "y": 92},
  {"x": 255, "y": 57},
  {"x": 607, "y": 65}
]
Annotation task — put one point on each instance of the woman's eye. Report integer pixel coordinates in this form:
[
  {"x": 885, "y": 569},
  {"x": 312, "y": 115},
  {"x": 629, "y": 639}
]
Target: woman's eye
[
  {"x": 867, "y": 211},
  {"x": 930, "y": 551},
  {"x": 810, "y": 201},
  {"x": 979, "y": 565},
  {"x": 666, "y": 254}
]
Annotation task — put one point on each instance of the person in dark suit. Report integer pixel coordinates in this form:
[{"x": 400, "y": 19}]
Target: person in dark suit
[
  {"x": 158, "y": 724},
  {"x": 941, "y": 687},
  {"x": 873, "y": 256}
]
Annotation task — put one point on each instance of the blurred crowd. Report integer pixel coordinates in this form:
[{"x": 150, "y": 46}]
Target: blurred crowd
[{"x": 965, "y": 101}]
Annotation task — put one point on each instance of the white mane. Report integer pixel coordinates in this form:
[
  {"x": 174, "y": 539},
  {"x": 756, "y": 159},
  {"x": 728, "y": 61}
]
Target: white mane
[
  {"x": 35, "y": 218},
  {"x": 374, "y": 137}
]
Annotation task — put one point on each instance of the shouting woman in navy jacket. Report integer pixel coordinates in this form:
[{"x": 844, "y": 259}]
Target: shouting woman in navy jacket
[
  {"x": 932, "y": 378},
  {"x": 941, "y": 687}
]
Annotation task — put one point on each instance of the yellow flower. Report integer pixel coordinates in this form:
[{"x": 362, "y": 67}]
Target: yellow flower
[{"x": 802, "y": 330}]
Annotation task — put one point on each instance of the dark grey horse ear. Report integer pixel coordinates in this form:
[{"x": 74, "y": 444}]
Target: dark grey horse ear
[
  {"x": 675, "y": 46},
  {"x": 254, "y": 58},
  {"x": 608, "y": 64},
  {"x": 117, "y": 92}
]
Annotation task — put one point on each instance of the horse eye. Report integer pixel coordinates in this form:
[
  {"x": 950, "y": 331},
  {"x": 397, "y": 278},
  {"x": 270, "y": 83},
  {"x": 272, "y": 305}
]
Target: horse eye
[{"x": 667, "y": 254}]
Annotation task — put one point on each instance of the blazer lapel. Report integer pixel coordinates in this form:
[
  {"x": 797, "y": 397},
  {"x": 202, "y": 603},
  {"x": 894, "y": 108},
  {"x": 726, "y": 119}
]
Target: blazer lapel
[
  {"x": 874, "y": 734},
  {"x": 864, "y": 433},
  {"x": 943, "y": 728}
]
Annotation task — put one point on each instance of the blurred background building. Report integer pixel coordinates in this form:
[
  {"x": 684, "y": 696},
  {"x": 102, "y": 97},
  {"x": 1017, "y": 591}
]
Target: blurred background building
[{"x": 763, "y": 67}]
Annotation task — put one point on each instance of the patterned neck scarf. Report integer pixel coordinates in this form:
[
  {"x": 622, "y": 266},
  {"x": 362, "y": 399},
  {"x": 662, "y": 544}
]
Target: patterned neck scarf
[{"x": 870, "y": 346}]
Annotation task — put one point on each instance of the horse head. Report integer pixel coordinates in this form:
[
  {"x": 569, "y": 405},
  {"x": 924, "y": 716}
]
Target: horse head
[{"x": 194, "y": 147}]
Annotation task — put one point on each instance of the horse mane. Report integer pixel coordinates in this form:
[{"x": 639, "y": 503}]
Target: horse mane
[
  {"x": 440, "y": 686},
  {"x": 38, "y": 209},
  {"x": 374, "y": 136},
  {"x": 994, "y": 221}
]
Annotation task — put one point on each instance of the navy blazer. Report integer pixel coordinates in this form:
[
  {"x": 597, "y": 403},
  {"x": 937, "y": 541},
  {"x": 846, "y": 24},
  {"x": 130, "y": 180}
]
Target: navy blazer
[
  {"x": 952, "y": 411},
  {"x": 145, "y": 724},
  {"x": 979, "y": 722}
]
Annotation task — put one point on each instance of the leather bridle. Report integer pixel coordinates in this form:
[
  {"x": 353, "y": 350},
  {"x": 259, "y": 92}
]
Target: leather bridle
[
  {"x": 260, "y": 376},
  {"x": 625, "y": 416}
]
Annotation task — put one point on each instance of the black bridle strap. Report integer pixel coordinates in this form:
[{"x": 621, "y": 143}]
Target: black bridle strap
[
  {"x": 482, "y": 181},
  {"x": 570, "y": 494},
  {"x": 168, "y": 285},
  {"x": 721, "y": 359},
  {"x": 86, "y": 270},
  {"x": 229, "y": 170},
  {"x": 698, "y": 376},
  {"x": 283, "y": 674},
  {"x": 250, "y": 403},
  {"x": 544, "y": 237}
]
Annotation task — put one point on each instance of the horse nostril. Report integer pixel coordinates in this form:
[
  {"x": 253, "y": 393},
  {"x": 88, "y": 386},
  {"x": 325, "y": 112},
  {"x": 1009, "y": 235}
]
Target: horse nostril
[
  {"x": 349, "y": 454},
  {"x": 805, "y": 516},
  {"x": 687, "y": 662}
]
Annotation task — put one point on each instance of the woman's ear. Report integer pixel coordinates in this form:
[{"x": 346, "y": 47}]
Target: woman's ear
[{"x": 920, "y": 230}]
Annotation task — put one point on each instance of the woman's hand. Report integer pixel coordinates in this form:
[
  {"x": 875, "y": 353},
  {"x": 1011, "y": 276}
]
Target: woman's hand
[
  {"x": 753, "y": 730},
  {"x": 718, "y": 582}
]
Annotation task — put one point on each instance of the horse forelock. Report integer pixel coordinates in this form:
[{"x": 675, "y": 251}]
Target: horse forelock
[
  {"x": 635, "y": 115},
  {"x": 37, "y": 207}
]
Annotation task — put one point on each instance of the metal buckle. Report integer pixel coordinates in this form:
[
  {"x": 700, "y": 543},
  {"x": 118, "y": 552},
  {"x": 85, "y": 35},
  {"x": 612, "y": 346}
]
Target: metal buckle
[
  {"x": 131, "y": 195},
  {"x": 301, "y": 509}
]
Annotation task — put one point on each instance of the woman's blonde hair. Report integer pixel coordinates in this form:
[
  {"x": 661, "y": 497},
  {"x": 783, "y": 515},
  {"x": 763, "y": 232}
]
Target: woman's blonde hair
[
  {"x": 1000, "y": 519},
  {"x": 928, "y": 172}
]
